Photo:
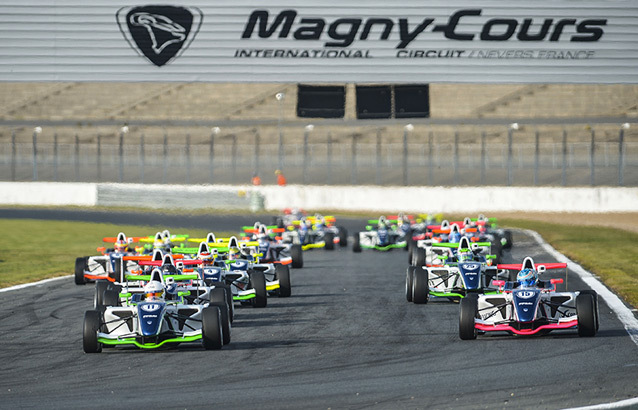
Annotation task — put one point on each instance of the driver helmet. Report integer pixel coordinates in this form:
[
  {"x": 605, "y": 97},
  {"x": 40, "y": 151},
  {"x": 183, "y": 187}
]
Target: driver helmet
[
  {"x": 153, "y": 290},
  {"x": 527, "y": 277},
  {"x": 120, "y": 246},
  {"x": 207, "y": 258},
  {"x": 169, "y": 269},
  {"x": 454, "y": 237},
  {"x": 233, "y": 254},
  {"x": 465, "y": 255}
]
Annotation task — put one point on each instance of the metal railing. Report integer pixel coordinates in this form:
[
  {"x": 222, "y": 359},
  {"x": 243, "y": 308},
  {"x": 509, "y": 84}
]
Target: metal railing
[{"x": 429, "y": 158}]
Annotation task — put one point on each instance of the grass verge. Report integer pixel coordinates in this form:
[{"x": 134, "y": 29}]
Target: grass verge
[{"x": 608, "y": 253}]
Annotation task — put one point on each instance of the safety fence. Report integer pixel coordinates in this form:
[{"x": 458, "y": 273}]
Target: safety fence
[{"x": 416, "y": 157}]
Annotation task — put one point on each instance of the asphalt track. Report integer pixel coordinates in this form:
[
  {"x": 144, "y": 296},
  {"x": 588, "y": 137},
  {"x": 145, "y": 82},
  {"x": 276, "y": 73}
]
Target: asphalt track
[{"x": 346, "y": 338}]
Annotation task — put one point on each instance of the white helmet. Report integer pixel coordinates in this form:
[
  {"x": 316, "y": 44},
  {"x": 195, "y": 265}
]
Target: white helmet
[{"x": 154, "y": 289}]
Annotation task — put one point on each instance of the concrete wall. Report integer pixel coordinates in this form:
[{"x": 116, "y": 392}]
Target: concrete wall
[{"x": 345, "y": 198}]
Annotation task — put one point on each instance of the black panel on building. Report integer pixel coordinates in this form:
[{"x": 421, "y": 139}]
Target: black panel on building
[
  {"x": 412, "y": 101},
  {"x": 374, "y": 101},
  {"x": 319, "y": 101}
]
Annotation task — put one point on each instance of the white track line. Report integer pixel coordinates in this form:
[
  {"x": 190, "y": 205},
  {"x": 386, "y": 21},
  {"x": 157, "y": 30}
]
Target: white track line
[
  {"x": 28, "y": 285},
  {"x": 623, "y": 312},
  {"x": 616, "y": 405}
]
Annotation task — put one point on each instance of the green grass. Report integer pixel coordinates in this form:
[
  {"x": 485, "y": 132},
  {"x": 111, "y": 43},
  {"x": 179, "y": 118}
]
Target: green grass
[
  {"x": 32, "y": 250},
  {"x": 608, "y": 253}
]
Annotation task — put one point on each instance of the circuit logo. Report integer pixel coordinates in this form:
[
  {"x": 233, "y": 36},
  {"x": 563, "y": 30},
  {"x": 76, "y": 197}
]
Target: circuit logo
[{"x": 159, "y": 33}]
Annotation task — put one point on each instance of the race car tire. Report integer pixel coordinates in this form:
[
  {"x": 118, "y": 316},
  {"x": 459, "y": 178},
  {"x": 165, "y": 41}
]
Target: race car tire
[
  {"x": 420, "y": 286},
  {"x": 329, "y": 239},
  {"x": 468, "y": 311},
  {"x": 508, "y": 239},
  {"x": 595, "y": 296},
  {"x": 80, "y": 265},
  {"x": 212, "y": 334},
  {"x": 229, "y": 298},
  {"x": 217, "y": 297},
  {"x": 282, "y": 273},
  {"x": 343, "y": 237},
  {"x": 258, "y": 282},
  {"x": 92, "y": 323},
  {"x": 297, "y": 256},
  {"x": 419, "y": 257},
  {"x": 585, "y": 309},
  {"x": 356, "y": 245},
  {"x": 409, "y": 277},
  {"x": 111, "y": 298},
  {"x": 100, "y": 287}
]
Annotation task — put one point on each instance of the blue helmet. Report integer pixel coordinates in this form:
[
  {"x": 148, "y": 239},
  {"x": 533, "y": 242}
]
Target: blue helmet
[
  {"x": 527, "y": 277},
  {"x": 454, "y": 237}
]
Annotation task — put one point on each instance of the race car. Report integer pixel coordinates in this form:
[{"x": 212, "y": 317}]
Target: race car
[
  {"x": 383, "y": 237},
  {"x": 159, "y": 316},
  {"x": 529, "y": 306},
  {"x": 460, "y": 269},
  {"x": 104, "y": 266},
  {"x": 275, "y": 246}
]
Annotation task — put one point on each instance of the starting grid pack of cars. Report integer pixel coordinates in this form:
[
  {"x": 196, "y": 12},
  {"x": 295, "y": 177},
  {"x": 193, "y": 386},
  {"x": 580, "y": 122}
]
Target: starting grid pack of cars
[{"x": 167, "y": 289}]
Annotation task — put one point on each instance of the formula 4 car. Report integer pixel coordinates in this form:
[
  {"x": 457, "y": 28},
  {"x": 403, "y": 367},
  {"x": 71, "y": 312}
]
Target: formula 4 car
[
  {"x": 529, "y": 306},
  {"x": 104, "y": 266},
  {"x": 160, "y": 318},
  {"x": 459, "y": 270},
  {"x": 383, "y": 237}
]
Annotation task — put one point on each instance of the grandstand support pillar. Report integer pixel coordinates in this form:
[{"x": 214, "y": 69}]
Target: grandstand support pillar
[
  {"x": 430, "y": 157},
  {"x": 456, "y": 159},
  {"x": 621, "y": 153},
  {"x": 377, "y": 179},
  {"x": 211, "y": 154},
  {"x": 329, "y": 158},
  {"x": 406, "y": 131},
  {"x": 306, "y": 159},
  {"x": 592, "y": 164},
  {"x": 142, "y": 159},
  {"x": 13, "y": 155},
  {"x": 510, "y": 134},
  {"x": 36, "y": 131},
  {"x": 563, "y": 178},
  {"x": 187, "y": 151},
  {"x": 353, "y": 162},
  {"x": 77, "y": 158},
  {"x": 120, "y": 153},
  {"x": 99, "y": 158},
  {"x": 483, "y": 158},
  {"x": 537, "y": 153},
  {"x": 165, "y": 155},
  {"x": 55, "y": 157},
  {"x": 280, "y": 99},
  {"x": 234, "y": 159}
]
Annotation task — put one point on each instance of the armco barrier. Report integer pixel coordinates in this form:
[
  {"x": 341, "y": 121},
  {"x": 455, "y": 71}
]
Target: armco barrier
[{"x": 345, "y": 198}]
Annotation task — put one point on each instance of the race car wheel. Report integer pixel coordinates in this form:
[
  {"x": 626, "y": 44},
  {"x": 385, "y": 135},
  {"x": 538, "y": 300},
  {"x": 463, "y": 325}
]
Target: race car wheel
[
  {"x": 212, "y": 336},
  {"x": 420, "y": 286},
  {"x": 343, "y": 237},
  {"x": 329, "y": 238},
  {"x": 229, "y": 298},
  {"x": 508, "y": 239},
  {"x": 92, "y": 323},
  {"x": 282, "y": 273},
  {"x": 100, "y": 287},
  {"x": 258, "y": 282},
  {"x": 297, "y": 256},
  {"x": 409, "y": 277},
  {"x": 585, "y": 309},
  {"x": 80, "y": 265},
  {"x": 111, "y": 298},
  {"x": 217, "y": 297},
  {"x": 595, "y": 296},
  {"x": 419, "y": 258},
  {"x": 356, "y": 245},
  {"x": 469, "y": 310}
]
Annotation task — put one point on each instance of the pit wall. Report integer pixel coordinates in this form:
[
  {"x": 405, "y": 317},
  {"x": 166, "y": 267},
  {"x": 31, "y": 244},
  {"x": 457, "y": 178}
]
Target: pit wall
[{"x": 338, "y": 198}]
